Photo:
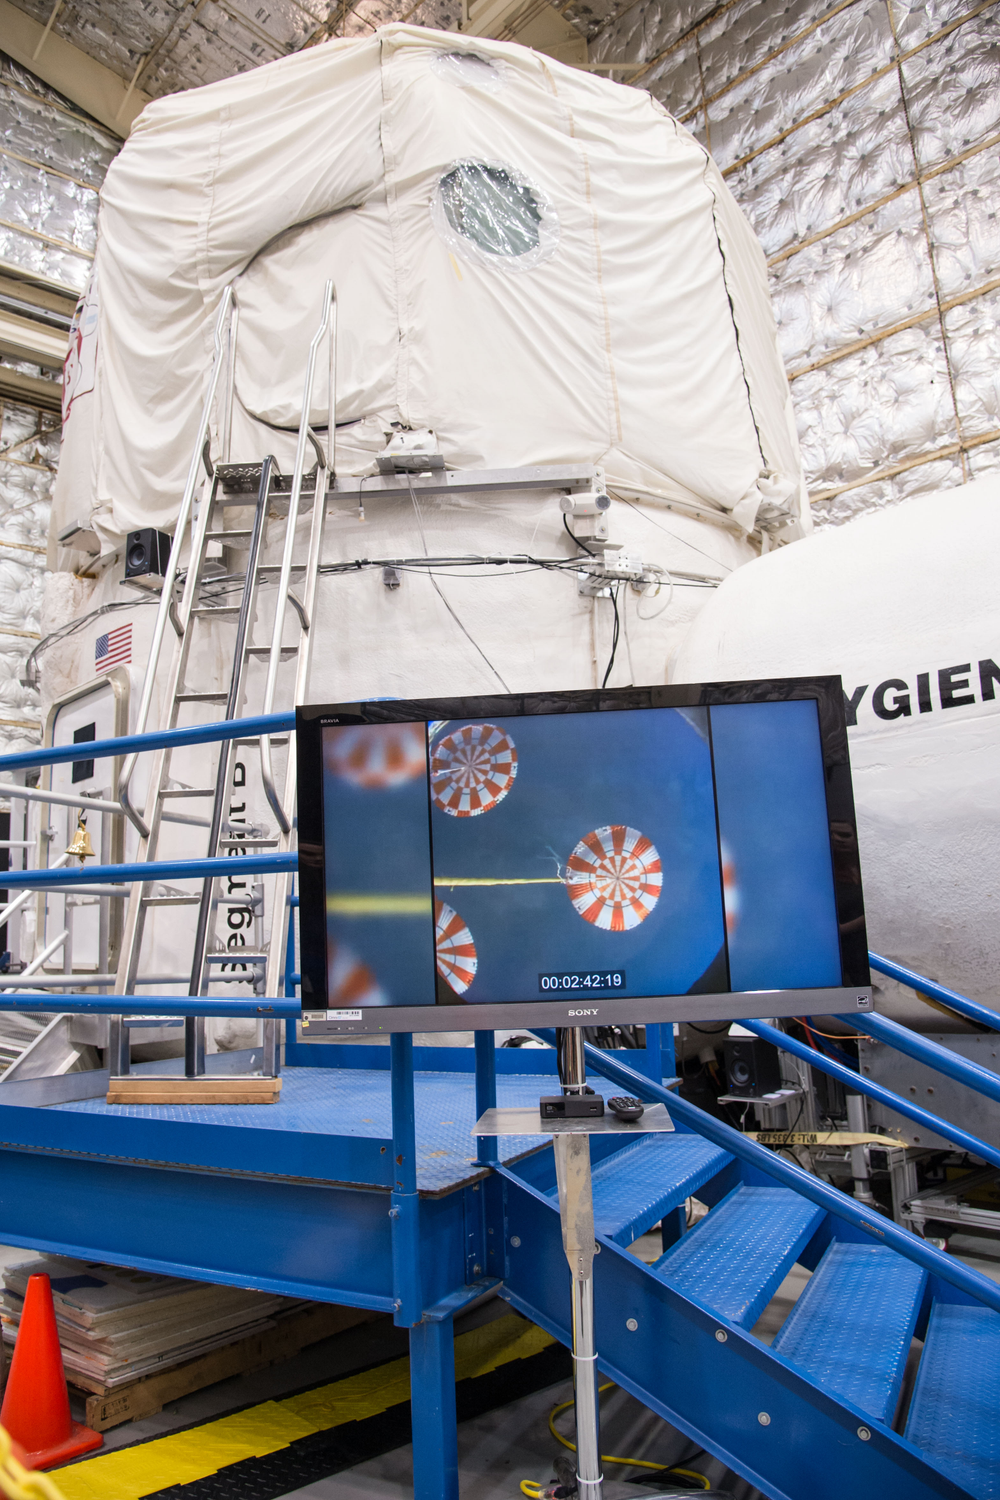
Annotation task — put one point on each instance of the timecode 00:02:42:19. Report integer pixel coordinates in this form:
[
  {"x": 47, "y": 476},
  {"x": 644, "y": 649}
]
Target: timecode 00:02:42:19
[{"x": 589, "y": 980}]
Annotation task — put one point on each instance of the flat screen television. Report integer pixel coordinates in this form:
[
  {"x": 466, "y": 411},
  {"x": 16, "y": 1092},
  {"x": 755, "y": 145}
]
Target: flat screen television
[{"x": 579, "y": 858}]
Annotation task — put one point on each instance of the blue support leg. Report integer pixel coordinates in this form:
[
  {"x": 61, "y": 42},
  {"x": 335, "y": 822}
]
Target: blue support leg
[
  {"x": 486, "y": 1094},
  {"x": 432, "y": 1404},
  {"x": 404, "y": 1209},
  {"x": 673, "y": 1226}
]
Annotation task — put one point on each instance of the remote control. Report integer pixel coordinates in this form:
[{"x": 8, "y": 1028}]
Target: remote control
[{"x": 626, "y": 1108}]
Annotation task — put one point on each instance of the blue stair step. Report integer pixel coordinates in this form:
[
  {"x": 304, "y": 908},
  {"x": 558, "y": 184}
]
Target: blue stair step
[
  {"x": 850, "y": 1330},
  {"x": 955, "y": 1411},
  {"x": 734, "y": 1260},
  {"x": 634, "y": 1188}
]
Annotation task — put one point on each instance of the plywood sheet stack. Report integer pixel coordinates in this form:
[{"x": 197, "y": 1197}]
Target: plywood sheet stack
[{"x": 117, "y": 1325}]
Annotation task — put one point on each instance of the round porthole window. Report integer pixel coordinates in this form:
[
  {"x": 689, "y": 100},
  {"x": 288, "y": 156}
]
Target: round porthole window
[
  {"x": 487, "y": 212},
  {"x": 468, "y": 70}
]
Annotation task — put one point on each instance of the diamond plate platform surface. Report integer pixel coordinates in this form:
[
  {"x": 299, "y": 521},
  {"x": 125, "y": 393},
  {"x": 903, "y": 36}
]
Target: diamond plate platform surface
[
  {"x": 733, "y": 1261},
  {"x": 637, "y": 1186},
  {"x": 955, "y": 1411},
  {"x": 354, "y": 1101},
  {"x": 850, "y": 1330}
]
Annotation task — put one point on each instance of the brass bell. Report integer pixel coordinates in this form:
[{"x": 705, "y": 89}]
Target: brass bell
[{"x": 81, "y": 847}]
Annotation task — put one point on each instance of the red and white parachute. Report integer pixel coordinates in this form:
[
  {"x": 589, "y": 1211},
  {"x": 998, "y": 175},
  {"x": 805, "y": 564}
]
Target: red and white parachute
[
  {"x": 350, "y": 982},
  {"x": 614, "y": 877},
  {"x": 376, "y": 756},
  {"x": 472, "y": 769},
  {"x": 456, "y": 952},
  {"x": 731, "y": 899}
]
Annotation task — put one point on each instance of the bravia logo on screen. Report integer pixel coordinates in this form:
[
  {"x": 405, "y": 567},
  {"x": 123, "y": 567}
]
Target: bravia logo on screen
[
  {"x": 582, "y": 1012},
  {"x": 929, "y": 692}
]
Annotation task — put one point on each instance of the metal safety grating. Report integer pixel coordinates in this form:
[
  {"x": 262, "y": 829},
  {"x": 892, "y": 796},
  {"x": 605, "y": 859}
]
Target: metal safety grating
[
  {"x": 634, "y": 1188},
  {"x": 733, "y": 1261},
  {"x": 357, "y": 1102},
  {"x": 850, "y": 1330},
  {"x": 955, "y": 1411}
]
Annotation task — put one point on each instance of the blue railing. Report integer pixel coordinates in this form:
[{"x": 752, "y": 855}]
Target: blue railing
[
  {"x": 154, "y": 739},
  {"x": 970, "y": 1009},
  {"x": 859, "y": 1083},
  {"x": 164, "y": 869},
  {"x": 253, "y": 1007}
]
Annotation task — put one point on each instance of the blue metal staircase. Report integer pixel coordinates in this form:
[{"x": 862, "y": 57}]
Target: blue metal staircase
[{"x": 815, "y": 1414}]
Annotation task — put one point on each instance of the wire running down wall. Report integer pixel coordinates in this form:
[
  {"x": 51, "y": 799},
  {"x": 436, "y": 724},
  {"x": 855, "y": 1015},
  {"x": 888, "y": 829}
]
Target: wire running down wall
[{"x": 862, "y": 139}]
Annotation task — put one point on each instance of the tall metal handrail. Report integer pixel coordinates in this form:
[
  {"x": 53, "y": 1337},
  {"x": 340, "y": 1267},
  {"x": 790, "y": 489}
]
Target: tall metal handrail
[
  {"x": 248, "y": 1007},
  {"x": 860, "y": 1083},
  {"x": 971, "y": 1009},
  {"x": 932, "y": 1054},
  {"x": 166, "y": 609},
  {"x": 327, "y": 328},
  {"x": 153, "y": 739}
]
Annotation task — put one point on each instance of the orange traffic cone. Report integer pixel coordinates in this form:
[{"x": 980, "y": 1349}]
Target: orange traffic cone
[{"x": 35, "y": 1404}]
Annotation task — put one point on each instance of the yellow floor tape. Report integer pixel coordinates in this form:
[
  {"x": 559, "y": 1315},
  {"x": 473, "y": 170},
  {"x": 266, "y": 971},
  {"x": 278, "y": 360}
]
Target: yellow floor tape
[{"x": 181, "y": 1457}]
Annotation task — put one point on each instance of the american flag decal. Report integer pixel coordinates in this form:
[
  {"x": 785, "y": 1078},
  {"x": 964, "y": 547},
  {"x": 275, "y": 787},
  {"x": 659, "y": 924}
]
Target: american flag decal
[{"x": 113, "y": 649}]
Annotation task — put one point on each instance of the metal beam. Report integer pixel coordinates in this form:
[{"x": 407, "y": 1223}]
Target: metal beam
[
  {"x": 35, "y": 342},
  {"x": 79, "y": 77},
  {"x": 30, "y": 389}
]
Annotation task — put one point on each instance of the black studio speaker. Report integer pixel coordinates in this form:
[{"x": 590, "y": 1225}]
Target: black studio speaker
[
  {"x": 752, "y": 1066},
  {"x": 147, "y": 553}
]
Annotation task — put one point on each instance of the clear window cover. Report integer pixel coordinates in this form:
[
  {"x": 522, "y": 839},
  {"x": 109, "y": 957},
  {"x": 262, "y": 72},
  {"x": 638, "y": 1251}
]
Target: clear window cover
[
  {"x": 469, "y": 70},
  {"x": 487, "y": 212}
]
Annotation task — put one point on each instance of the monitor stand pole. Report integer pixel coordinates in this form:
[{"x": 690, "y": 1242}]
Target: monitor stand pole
[{"x": 576, "y": 1213}]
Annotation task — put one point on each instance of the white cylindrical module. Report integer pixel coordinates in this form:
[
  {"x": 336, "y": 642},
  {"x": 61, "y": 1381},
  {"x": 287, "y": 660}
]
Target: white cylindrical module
[
  {"x": 533, "y": 263},
  {"x": 903, "y": 606},
  {"x": 533, "y": 266}
]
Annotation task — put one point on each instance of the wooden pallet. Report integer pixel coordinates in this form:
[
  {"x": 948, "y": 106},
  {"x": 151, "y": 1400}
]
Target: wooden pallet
[
  {"x": 126, "y": 1403},
  {"x": 209, "y": 1088}
]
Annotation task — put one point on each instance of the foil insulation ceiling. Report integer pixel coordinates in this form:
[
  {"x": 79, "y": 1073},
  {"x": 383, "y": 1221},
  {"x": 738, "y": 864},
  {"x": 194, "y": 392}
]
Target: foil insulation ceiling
[
  {"x": 862, "y": 139},
  {"x": 52, "y": 163}
]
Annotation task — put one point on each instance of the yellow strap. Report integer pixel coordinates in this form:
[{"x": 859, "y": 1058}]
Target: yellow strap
[{"x": 19, "y": 1483}]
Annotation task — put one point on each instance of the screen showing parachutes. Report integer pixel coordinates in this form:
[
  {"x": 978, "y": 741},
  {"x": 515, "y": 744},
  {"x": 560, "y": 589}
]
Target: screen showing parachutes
[{"x": 676, "y": 851}]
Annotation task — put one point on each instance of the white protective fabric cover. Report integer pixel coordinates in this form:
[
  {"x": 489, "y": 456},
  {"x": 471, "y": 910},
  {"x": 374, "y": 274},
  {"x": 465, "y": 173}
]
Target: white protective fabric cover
[
  {"x": 640, "y": 335},
  {"x": 903, "y": 605}
]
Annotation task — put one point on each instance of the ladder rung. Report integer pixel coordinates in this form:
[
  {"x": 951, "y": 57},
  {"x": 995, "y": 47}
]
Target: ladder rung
[
  {"x": 171, "y": 900},
  {"x": 276, "y": 739},
  {"x": 242, "y": 477},
  {"x": 268, "y": 568},
  {"x": 236, "y": 956},
  {"x": 216, "y": 609},
  {"x": 266, "y": 650},
  {"x": 189, "y": 791},
  {"x": 248, "y": 843},
  {"x": 201, "y": 697},
  {"x": 227, "y": 536}
]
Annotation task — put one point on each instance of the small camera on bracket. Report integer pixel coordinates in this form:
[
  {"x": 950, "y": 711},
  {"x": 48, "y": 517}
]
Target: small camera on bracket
[{"x": 587, "y": 514}]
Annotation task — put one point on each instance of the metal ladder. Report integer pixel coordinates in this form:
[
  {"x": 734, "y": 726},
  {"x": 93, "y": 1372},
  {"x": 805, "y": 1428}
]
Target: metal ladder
[{"x": 204, "y": 598}]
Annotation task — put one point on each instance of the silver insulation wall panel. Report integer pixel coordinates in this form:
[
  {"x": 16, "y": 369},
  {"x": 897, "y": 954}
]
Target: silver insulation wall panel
[
  {"x": 52, "y": 164},
  {"x": 862, "y": 139}
]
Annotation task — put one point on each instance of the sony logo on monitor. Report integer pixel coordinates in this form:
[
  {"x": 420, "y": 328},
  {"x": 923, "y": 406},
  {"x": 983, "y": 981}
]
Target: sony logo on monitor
[{"x": 582, "y": 1012}]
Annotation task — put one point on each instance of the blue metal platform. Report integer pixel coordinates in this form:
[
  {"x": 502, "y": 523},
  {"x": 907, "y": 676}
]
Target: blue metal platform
[{"x": 329, "y": 1125}]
